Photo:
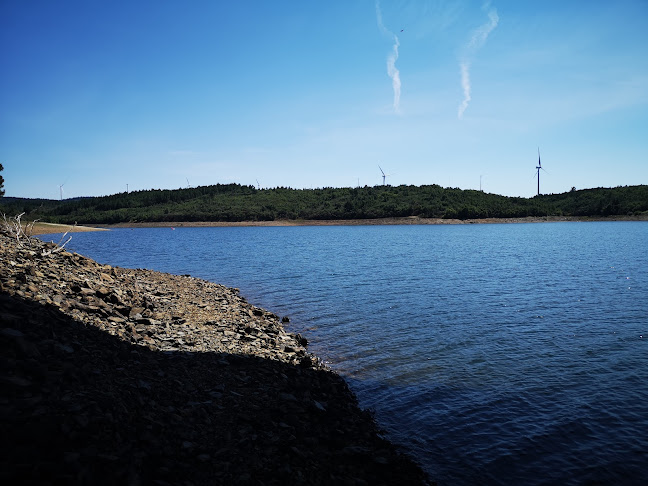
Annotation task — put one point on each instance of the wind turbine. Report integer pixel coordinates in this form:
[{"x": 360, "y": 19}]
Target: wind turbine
[
  {"x": 188, "y": 185},
  {"x": 384, "y": 176},
  {"x": 61, "y": 190},
  {"x": 258, "y": 185},
  {"x": 538, "y": 170}
]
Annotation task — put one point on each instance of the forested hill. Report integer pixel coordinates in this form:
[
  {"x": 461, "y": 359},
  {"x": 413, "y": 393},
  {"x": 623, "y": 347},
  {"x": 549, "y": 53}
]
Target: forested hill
[{"x": 233, "y": 202}]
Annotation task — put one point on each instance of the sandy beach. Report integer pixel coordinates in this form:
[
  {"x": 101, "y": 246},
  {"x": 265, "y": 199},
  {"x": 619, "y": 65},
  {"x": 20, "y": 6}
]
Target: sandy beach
[{"x": 41, "y": 228}]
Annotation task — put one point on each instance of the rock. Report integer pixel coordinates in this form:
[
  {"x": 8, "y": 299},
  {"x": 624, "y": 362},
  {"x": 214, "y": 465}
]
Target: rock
[
  {"x": 301, "y": 340},
  {"x": 103, "y": 292},
  {"x": 11, "y": 333},
  {"x": 134, "y": 311}
]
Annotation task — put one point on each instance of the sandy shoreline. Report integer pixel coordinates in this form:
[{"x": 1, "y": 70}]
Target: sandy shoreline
[
  {"x": 48, "y": 228},
  {"x": 41, "y": 228},
  {"x": 411, "y": 220}
]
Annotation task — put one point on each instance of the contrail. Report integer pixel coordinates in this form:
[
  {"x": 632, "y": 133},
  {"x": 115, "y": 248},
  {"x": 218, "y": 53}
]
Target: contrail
[
  {"x": 477, "y": 40},
  {"x": 394, "y": 74},
  {"x": 465, "y": 84},
  {"x": 392, "y": 57}
]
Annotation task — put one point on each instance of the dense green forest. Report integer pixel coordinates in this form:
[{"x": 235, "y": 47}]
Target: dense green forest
[{"x": 234, "y": 202}]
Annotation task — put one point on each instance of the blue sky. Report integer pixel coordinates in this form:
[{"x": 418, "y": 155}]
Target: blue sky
[{"x": 98, "y": 95}]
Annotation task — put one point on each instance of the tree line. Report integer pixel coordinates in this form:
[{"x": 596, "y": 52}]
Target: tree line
[{"x": 234, "y": 202}]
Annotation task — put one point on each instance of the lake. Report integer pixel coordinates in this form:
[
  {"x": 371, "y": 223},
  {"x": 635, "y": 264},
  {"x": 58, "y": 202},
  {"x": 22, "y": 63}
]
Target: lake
[{"x": 494, "y": 354}]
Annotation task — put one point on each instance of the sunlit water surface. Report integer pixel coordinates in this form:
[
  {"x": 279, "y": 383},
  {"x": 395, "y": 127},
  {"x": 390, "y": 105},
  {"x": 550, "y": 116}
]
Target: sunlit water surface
[{"x": 495, "y": 354}]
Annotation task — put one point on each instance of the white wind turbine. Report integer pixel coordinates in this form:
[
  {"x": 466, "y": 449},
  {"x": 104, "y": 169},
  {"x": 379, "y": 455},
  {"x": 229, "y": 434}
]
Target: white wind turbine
[
  {"x": 384, "y": 176},
  {"x": 538, "y": 168}
]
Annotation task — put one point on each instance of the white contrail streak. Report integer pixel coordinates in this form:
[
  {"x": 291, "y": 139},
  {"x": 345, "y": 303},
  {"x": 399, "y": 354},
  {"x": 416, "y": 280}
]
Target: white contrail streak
[
  {"x": 465, "y": 84},
  {"x": 392, "y": 57},
  {"x": 477, "y": 40},
  {"x": 480, "y": 34},
  {"x": 394, "y": 74}
]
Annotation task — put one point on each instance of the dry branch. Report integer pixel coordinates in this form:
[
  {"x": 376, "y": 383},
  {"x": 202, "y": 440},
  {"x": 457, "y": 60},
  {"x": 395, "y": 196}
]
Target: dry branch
[{"x": 15, "y": 228}]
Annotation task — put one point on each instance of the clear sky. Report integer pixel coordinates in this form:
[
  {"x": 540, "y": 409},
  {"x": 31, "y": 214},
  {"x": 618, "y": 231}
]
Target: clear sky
[{"x": 99, "y": 96}]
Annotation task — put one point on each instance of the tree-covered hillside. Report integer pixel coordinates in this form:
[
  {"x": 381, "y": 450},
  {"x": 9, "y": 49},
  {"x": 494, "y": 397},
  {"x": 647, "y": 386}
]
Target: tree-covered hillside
[{"x": 233, "y": 202}]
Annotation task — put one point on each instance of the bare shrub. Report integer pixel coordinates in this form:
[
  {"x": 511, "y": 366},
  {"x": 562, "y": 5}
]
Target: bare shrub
[
  {"x": 59, "y": 246},
  {"x": 23, "y": 233}
]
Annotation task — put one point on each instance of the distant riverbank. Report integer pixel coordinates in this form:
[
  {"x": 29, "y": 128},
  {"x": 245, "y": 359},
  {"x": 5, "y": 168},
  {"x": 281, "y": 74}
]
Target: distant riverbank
[
  {"x": 412, "y": 220},
  {"x": 49, "y": 228}
]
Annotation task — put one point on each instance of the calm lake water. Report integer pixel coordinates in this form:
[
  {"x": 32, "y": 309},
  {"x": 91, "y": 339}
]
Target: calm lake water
[{"x": 495, "y": 354}]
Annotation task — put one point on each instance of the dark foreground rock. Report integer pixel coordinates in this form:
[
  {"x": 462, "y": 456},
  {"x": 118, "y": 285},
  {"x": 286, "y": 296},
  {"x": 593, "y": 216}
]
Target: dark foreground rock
[{"x": 121, "y": 376}]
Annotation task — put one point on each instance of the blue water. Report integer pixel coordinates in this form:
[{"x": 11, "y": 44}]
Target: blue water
[{"x": 495, "y": 354}]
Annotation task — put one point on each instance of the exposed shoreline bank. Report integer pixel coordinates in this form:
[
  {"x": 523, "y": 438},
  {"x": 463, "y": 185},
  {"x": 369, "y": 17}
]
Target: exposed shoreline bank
[
  {"x": 412, "y": 220},
  {"x": 119, "y": 375},
  {"x": 49, "y": 228},
  {"x": 41, "y": 228}
]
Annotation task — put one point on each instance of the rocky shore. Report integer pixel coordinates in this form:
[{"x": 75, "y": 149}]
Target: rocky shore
[{"x": 128, "y": 376}]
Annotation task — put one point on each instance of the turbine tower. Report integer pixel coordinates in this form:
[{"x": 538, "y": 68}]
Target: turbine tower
[
  {"x": 61, "y": 190},
  {"x": 538, "y": 170},
  {"x": 384, "y": 176}
]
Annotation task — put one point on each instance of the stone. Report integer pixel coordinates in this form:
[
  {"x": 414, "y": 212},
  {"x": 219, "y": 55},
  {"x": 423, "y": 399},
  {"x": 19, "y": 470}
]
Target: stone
[
  {"x": 134, "y": 311},
  {"x": 11, "y": 333},
  {"x": 103, "y": 292}
]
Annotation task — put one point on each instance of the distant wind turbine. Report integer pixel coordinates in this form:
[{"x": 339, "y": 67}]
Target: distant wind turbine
[
  {"x": 384, "y": 176},
  {"x": 538, "y": 169},
  {"x": 188, "y": 185},
  {"x": 61, "y": 190},
  {"x": 258, "y": 185}
]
